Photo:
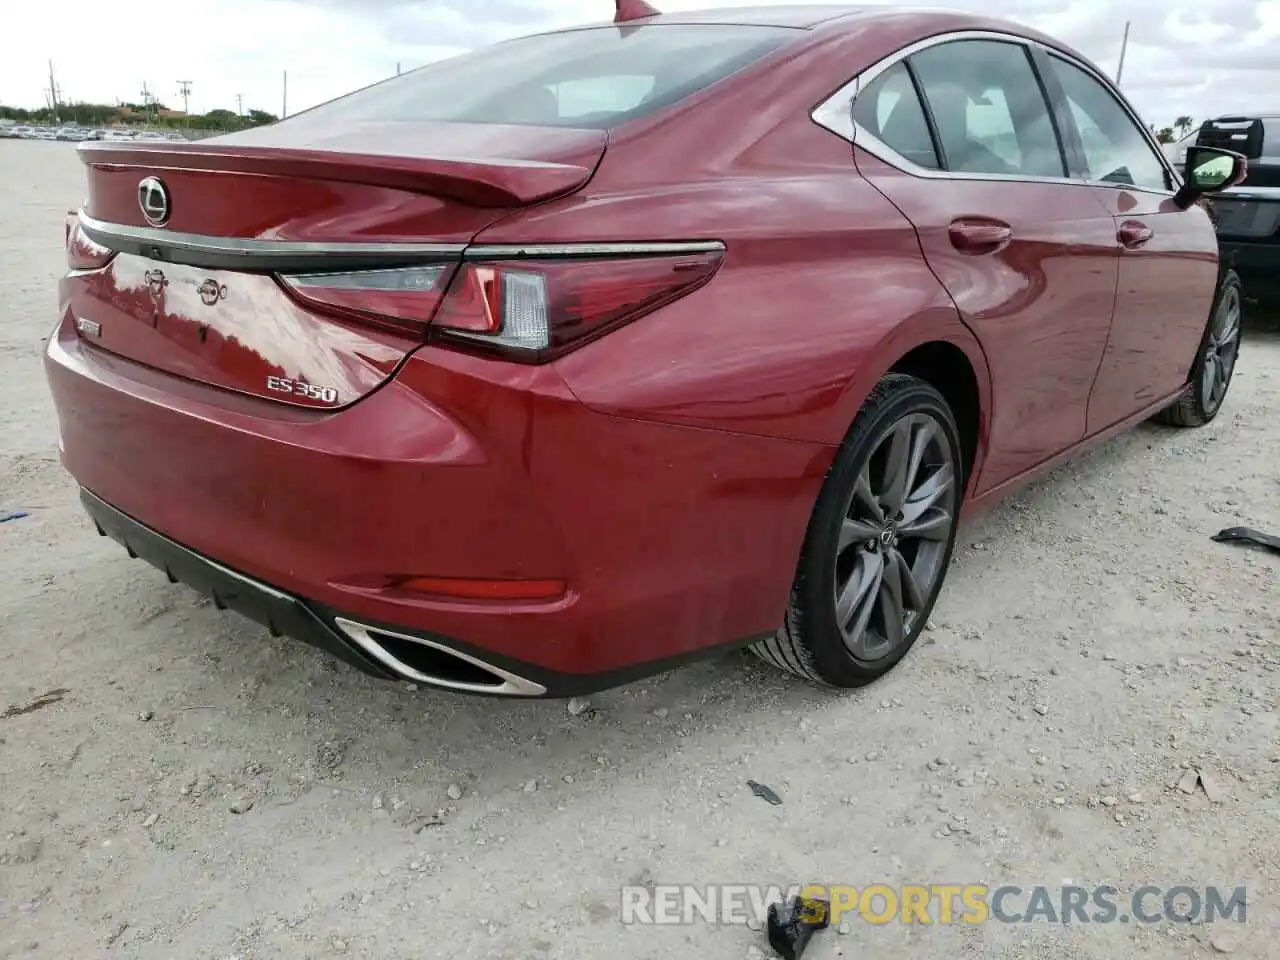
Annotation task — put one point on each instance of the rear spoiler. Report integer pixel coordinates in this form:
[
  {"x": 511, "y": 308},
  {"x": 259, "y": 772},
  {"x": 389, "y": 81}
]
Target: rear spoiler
[{"x": 483, "y": 182}]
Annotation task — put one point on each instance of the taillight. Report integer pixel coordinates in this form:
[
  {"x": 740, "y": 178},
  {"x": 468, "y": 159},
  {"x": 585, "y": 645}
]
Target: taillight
[
  {"x": 534, "y": 310},
  {"x": 83, "y": 253},
  {"x": 402, "y": 300}
]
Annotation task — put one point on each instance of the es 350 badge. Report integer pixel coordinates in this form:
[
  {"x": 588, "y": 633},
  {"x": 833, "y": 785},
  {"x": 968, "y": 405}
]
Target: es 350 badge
[{"x": 300, "y": 388}]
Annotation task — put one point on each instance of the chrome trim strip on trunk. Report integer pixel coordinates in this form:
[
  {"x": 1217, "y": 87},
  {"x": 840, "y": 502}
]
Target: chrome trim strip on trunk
[
  {"x": 233, "y": 253},
  {"x": 500, "y": 251},
  {"x": 509, "y": 684}
]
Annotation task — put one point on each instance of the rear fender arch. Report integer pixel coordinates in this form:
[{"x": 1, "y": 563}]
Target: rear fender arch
[{"x": 938, "y": 325}]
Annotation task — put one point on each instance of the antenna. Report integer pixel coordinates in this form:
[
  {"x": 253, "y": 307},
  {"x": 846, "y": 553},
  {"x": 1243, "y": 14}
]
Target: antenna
[
  {"x": 184, "y": 88},
  {"x": 240, "y": 104},
  {"x": 633, "y": 10},
  {"x": 284, "y": 97}
]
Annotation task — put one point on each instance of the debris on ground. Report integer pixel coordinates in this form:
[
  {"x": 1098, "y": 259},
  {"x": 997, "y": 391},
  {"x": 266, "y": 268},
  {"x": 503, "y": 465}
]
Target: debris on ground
[
  {"x": 578, "y": 706},
  {"x": 764, "y": 792},
  {"x": 1224, "y": 942},
  {"x": 793, "y": 925},
  {"x": 7, "y": 515},
  {"x": 1268, "y": 541},
  {"x": 39, "y": 703},
  {"x": 1206, "y": 781},
  {"x": 434, "y": 820}
]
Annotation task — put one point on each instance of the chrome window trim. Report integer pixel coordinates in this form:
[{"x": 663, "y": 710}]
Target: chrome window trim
[{"x": 835, "y": 114}]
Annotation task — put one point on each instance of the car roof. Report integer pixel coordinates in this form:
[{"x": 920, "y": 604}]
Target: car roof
[
  {"x": 797, "y": 16},
  {"x": 802, "y": 16}
]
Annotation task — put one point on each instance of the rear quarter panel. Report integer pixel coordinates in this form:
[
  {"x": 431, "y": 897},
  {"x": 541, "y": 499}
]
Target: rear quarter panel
[{"x": 822, "y": 290}]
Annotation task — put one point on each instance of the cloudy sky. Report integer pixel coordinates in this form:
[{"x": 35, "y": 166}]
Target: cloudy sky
[{"x": 1185, "y": 56}]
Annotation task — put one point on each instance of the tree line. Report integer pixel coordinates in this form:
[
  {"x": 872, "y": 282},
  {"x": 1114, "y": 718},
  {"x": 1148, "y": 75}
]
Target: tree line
[
  {"x": 132, "y": 114},
  {"x": 1181, "y": 127}
]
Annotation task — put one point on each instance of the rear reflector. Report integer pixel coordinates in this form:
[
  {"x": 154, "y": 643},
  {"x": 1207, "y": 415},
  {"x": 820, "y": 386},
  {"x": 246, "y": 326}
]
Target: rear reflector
[
  {"x": 535, "y": 310},
  {"x": 402, "y": 301},
  {"x": 83, "y": 253},
  {"x": 461, "y": 589}
]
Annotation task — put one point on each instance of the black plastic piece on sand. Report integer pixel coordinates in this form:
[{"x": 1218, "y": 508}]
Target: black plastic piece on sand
[
  {"x": 764, "y": 792},
  {"x": 7, "y": 515},
  {"x": 1247, "y": 535},
  {"x": 792, "y": 926}
]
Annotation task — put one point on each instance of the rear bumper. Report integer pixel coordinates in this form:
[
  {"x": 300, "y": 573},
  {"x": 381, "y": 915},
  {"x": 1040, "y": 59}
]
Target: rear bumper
[
  {"x": 673, "y": 541},
  {"x": 364, "y": 646}
]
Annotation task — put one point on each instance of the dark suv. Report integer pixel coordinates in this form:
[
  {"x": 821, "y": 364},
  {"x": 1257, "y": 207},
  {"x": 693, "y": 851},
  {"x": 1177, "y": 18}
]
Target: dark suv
[{"x": 1248, "y": 215}]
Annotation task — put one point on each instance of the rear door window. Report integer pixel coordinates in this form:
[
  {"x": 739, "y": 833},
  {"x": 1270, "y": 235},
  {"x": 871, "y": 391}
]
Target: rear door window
[
  {"x": 594, "y": 78},
  {"x": 989, "y": 111}
]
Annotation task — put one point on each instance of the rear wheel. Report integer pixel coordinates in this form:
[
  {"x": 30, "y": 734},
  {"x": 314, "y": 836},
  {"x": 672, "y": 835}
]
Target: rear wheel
[
  {"x": 1215, "y": 363},
  {"x": 879, "y": 541}
]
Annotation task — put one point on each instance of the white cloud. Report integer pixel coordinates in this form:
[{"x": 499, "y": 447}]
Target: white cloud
[{"x": 1186, "y": 57}]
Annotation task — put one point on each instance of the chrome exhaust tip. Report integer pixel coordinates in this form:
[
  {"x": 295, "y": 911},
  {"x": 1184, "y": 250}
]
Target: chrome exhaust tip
[{"x": 425, "y": 661}]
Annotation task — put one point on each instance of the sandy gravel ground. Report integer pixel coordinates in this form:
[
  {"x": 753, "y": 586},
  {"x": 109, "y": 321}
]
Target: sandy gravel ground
[{"x": 1092, "y": 644}]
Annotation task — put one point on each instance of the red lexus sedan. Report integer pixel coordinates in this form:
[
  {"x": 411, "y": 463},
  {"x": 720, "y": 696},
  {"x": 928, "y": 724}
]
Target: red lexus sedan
[{"x": 565, "y": 361}]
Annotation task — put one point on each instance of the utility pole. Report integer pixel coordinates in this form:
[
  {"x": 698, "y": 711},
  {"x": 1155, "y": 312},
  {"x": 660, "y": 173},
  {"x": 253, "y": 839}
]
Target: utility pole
[
  {"x": 397, "y": 69},
  {"x": 53, "y": 93},
  {"x": 240, "y": 104},
  {"x": 284, "y": 97},
  {"x": 146, "y": 99},
  {"x": 184, "y": 88},
  {"x": 1124, "y": 45}
]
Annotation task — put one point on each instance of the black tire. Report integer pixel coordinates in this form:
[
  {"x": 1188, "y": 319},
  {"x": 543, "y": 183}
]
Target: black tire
[
  {"x": 814, "y": 642},
  {"x": 1203, "y": 399}
]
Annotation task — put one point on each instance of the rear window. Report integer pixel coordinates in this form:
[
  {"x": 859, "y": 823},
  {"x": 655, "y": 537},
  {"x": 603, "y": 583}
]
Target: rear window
[{"x": 596, "y": 78}]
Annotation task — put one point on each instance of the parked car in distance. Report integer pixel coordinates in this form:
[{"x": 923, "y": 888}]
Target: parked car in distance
[
  {"x": 1176, "y": 152},
  {"x": 21, "y": 131},
  {"x": 44, "y": 133},
  {"x": 72, "y": 134},
  {"x": 118, "y": 135},
  {"x": 427, "y": 377},
  {"x": 1248, "y": 215}
]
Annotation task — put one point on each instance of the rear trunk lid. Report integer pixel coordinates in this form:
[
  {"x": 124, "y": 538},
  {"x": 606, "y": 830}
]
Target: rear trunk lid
[{"x": 241, "y": 262}]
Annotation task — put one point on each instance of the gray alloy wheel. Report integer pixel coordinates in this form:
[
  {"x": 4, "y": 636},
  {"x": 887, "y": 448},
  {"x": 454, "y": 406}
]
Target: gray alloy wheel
[
  {"x": 879, "y": 542},
  {"x": 1220, "y": 353},
  {"x": 894, "y": 536},
  {"x": 1215, "y": 363}
]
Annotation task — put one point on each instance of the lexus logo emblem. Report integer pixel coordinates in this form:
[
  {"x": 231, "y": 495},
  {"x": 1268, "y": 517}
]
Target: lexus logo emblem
[{"x": 153, "y": 198}]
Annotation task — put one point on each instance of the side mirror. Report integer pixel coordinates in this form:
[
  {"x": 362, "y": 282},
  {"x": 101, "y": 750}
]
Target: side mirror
[{"x": 1209, "y": 170}]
